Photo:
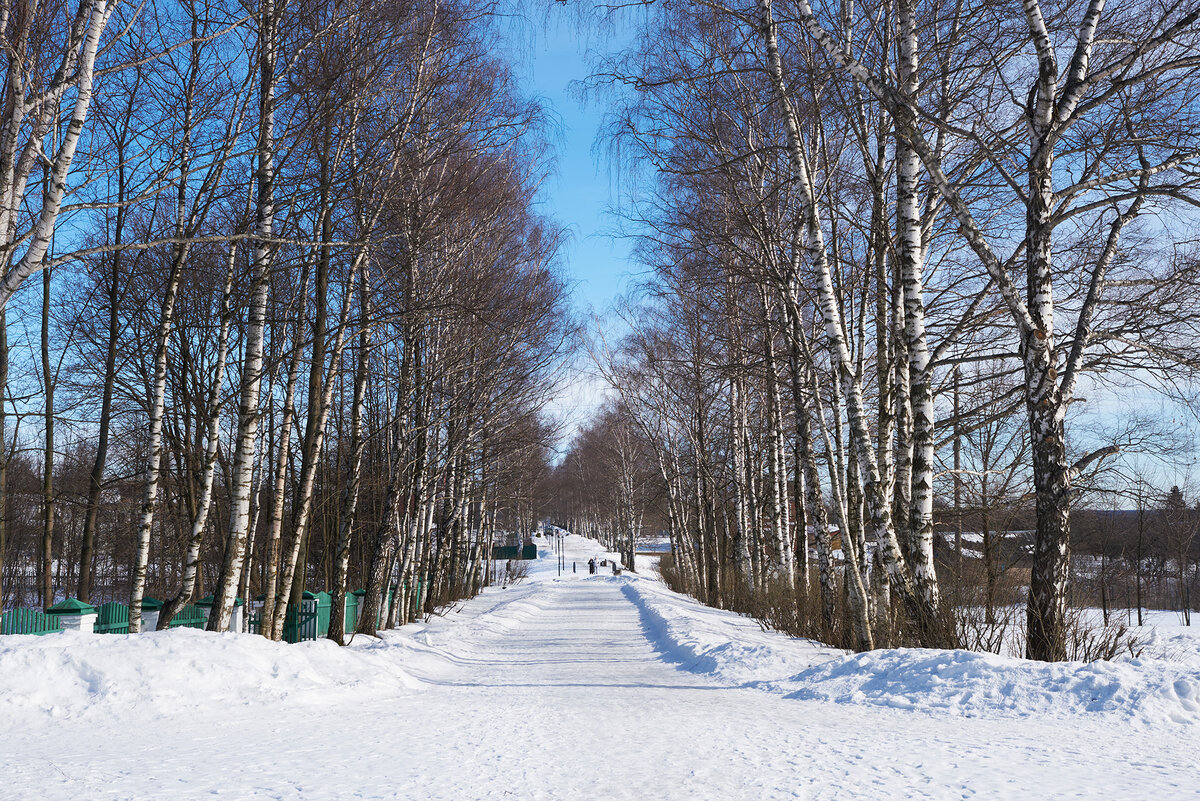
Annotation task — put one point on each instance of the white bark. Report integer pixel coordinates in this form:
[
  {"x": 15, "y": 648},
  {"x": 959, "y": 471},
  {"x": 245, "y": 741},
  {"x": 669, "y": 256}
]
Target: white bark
[
  {"x": 874, "y": 491},
  {"x": 158, "y": 392},
  {"x": 911, "y": 253},
  {"x": 252, "y": 369},
  {"x": 77, "y": 69}
]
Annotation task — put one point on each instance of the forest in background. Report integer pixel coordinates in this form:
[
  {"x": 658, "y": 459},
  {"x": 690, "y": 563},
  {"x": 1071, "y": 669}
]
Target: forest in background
[
  {"x": 288, "y": 318},
  {"x": 918, "y": 274}
]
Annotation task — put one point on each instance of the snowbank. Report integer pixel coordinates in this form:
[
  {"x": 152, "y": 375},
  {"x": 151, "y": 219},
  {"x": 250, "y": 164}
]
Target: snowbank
[
  {"x": 1161, "y": 687},
  {"x": 728, "y": 646},
  {"x": 973, "y": 685},
  {"x": 71, "y": 674}
]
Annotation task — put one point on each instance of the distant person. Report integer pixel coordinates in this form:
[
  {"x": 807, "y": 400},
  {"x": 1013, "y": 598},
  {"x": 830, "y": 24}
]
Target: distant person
[{"x": 591, "y": 567}]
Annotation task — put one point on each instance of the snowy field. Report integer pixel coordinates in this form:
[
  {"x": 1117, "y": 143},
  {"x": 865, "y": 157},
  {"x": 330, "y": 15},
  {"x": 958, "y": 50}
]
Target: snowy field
[{"x": 586, "y": 687}]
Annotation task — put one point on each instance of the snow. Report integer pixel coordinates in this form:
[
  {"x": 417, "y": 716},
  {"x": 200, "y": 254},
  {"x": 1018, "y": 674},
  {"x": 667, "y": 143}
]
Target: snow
[
  {"x": 972, "y": 684},
  {"x": 72, "y": 674},
  {"x": 731, "y": 648},
  {"x": 585, "y": 687},
  {"x": 1162, "y": 687}
]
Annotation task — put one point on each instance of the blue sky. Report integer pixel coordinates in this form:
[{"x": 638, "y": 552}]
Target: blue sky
[
  {"x": 581, "y": 191},
  {"x": 553, "y": 55}
]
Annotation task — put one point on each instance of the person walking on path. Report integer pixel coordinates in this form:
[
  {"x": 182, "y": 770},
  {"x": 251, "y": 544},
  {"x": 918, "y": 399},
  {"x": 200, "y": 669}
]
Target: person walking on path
[{"x": 592, "y": 567}]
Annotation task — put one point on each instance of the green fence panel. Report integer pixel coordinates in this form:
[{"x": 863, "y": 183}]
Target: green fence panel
[
  {"x": 308, "y": 626},
  {"x": 112, "y": 618},
  {"x": 506, "y": 552},
  {"x": 310, "y": 619},
  {"x": 324, "y": 609},
  {"x": 28, "y": 621},
  {"x": 291, "y": 620},
  {"x": 189, "y": 617},
  {"x": 300, "y": 622}
]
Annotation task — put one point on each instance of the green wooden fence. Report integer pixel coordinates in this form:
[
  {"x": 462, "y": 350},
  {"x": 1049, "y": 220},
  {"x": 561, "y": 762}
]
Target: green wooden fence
[
  {"x": 28, "y": 621},
  {"x": 351, "y": 617},
  {"x": 189, "y": 617},
  {"x": 112, "y": 618},
  {"x": 307, "y": 621},
  {"x": 310, "y": 621},
  {"x": 324, "y": 610},
  {"x": 506, "y": 552},
  {"x": 299, "y": 623}
]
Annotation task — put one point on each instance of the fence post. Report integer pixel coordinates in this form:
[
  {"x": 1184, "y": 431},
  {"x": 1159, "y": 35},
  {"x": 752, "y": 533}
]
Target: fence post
[{"x": 74, "y": 615}]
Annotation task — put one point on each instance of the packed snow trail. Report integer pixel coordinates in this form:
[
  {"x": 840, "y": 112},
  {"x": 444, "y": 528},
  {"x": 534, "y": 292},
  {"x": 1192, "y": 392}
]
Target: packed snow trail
[{"x": 571, "y": 689}]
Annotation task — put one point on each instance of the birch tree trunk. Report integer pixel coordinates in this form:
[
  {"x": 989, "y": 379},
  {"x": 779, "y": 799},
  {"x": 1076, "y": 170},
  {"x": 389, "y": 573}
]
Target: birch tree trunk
[
  {"x": 184, "y": 225},
  {"x": 873, "y": 488},
  {"x": 911, "y": 253},
  {"x": 814, "y": 506},
  {"x": 77, "y": 69},
  {"x": 776, "y": 460},
  {"x": 741, "y": 530},
  {"x": 252, "y": 369},
  {"x": 158, "y": 393}
]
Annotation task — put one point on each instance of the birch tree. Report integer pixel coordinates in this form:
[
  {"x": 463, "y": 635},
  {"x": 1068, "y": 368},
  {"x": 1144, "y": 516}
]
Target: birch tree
[{"x": 1121, "y": 63}]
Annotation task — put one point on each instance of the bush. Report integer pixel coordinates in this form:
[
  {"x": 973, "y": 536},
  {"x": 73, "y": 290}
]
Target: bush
[
  {"x": 1089, "y": 640},
  {"x": 971, "y": 620}
]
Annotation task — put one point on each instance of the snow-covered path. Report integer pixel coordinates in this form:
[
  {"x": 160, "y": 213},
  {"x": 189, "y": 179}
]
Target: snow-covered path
[{"x": 559, "y": 690}]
